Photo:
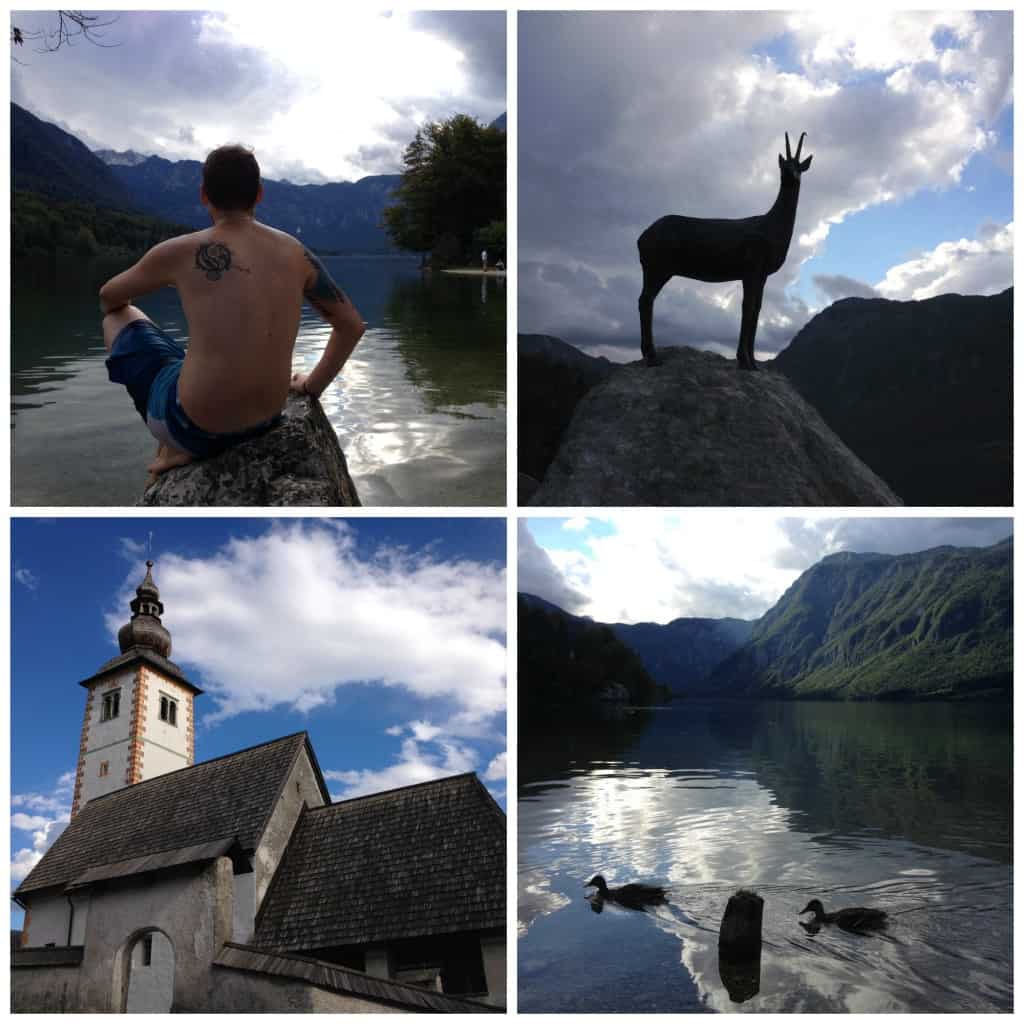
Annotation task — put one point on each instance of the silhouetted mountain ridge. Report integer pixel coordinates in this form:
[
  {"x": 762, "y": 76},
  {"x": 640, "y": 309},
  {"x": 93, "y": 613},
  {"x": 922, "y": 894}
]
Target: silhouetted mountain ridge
[
  {"x": 51, "y": 162},
  {"x": 920, "y": 391},
  {"x": 338, "y": 215}
]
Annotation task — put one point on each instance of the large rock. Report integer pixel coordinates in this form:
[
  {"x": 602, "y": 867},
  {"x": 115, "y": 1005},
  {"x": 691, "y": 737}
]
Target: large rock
[
  {"x": 299, "y": 462},
  {"x": 695, "y": 430},
  {"x": 553, "y": 376},
  {"x": 921, "y": 391}
]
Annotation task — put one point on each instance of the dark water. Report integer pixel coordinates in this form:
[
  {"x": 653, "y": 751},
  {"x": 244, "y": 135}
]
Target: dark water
[
  {"x": 419, "y": 408},
  {"x": 902, "y": 807}
]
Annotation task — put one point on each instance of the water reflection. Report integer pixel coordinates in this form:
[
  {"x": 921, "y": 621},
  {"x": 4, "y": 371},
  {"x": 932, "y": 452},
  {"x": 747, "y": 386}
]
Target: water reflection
[
  {"x": 715, "y": 797},
  {"x": 419, "y": 408}
]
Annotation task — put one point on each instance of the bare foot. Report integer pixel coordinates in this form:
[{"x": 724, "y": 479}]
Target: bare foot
[{"x": 166, "y": 458}]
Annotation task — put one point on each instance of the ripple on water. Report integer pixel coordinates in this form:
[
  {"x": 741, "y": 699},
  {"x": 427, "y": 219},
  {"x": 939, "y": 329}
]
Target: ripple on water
[{"x": 704, "y": 829}]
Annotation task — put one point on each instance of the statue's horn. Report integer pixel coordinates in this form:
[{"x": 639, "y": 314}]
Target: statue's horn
[
  {"x": 789, "y": 156},
  {"x": 800, "y": 145}
]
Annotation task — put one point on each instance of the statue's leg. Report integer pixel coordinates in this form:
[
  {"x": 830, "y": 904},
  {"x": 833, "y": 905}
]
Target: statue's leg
[
  {"x": 753, "y": 291},
  {"x": 653, "y": 283}
]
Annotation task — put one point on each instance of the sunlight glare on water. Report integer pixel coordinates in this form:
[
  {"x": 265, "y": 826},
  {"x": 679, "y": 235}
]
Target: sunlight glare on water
[{"x": 709, "y": 800}]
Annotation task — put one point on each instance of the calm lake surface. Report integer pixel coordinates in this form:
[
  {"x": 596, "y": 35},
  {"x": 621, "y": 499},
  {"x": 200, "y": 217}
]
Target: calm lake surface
[
  {"x": 419, "y": 408},
  {"x": 902, "y": 807}
]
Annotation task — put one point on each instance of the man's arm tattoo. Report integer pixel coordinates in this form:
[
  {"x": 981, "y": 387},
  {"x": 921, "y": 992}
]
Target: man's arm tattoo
[
  {"x": 214, "y": 259},
  {"x": 323, "y": 289}
]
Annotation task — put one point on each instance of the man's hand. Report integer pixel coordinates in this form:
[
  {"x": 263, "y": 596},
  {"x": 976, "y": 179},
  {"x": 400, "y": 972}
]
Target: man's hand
[{"x": 300, "y": 384}]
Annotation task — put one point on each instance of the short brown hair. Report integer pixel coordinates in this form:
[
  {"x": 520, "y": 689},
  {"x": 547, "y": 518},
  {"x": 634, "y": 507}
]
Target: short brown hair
[{"x": 231, "y": 178}]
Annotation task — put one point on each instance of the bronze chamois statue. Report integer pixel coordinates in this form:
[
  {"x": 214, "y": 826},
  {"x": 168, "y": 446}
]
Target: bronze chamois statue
[{"x": 706, "y": 249}]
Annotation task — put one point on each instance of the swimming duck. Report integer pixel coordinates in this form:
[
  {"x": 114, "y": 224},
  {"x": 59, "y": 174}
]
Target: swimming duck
[
  {"x": 850, "y": 919},
  {"x": 634, "y": 894}
]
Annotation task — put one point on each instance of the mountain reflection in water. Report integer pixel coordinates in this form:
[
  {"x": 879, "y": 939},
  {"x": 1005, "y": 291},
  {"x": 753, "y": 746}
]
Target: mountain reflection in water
[{"x": 901, "y": 807}]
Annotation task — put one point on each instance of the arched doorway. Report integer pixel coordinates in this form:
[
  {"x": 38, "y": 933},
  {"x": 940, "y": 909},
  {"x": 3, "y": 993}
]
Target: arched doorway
[{"x": 150, "y": 963}]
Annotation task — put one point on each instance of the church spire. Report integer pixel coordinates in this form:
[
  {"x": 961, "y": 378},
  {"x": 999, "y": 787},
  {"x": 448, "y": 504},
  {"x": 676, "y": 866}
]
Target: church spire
[{"x": 145, "y": 628}]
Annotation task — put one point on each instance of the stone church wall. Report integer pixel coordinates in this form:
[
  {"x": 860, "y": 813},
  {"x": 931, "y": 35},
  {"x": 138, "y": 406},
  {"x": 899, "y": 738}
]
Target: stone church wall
[
  {"x": 301, "y": 788},
  {"x": 234, "y": 991},
  {"x": 45, "y": 989}
]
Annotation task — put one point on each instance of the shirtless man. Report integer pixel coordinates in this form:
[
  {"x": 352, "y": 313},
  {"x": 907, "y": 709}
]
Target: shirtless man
[{"x": 241, "y": 285}]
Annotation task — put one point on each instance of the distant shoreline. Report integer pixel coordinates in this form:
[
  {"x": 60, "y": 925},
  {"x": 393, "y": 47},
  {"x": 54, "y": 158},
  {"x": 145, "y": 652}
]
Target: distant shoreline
[{"x": 470, "y": 272}]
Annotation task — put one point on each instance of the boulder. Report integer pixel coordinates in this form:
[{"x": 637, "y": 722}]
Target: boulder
[
  {"x": 298, "y": 462},
  {"x": 553, "y": 376},
  {"x": 696, "y": 430}
]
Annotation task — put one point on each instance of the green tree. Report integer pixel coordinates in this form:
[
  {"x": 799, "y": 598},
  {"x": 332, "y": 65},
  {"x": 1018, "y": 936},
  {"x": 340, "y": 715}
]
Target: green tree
[{"x": 452, "y": 186}]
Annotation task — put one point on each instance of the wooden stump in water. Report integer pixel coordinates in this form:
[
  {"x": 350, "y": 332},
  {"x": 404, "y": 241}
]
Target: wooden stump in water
[{"x": 739, "y": 945}]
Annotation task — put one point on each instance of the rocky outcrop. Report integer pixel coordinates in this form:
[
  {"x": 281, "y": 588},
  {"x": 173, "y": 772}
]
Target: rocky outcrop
[
  {"x": 695, "y": 430},
  {"x": 299, "y": 462},
  {"x": 553, "y": 377},
  {"x": 921, "y": 391}
]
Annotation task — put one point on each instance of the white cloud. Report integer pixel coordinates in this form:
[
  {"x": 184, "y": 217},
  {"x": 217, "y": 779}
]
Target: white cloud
[
  {"x": 44, "y": 827},
  {"x": 576, "y": 523},
  {"x": 415, "y": 764},
  {"x": 287, "y": 617},
  {"x": 26, "y": 578},
  {"x": 539, "y": 575},
  {"x": 981, "y": 266},
  {"x": 497, "y": 769},
  {"x": 626, "y": 117},
  {"x": 346, "y": 89},
  {"x": 658, "y": 568}
]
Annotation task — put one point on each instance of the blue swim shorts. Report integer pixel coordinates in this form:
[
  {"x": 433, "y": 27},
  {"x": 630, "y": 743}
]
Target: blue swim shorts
[{"x": 148, "y": 361}]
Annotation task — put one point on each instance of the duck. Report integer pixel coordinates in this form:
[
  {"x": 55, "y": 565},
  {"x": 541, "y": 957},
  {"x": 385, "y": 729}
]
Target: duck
[
  {"x": 850, "y": 919},
  {"x": 635, "y": 894}
]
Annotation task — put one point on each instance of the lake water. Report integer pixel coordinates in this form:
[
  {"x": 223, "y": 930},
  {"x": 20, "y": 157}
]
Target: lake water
[
  {"x": 902, "y": 807},
  {"x": 419, "y": 408}
]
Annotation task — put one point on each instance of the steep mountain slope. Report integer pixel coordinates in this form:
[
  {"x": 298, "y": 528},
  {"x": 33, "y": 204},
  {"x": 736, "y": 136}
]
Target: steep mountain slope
[
  {"x": 858, "y": 626},
  {"x": 921, "y": 391},
  {"x": 51, "y": 162},
  {"x": 567, "y": 664},
  {"x": 682, "y": 654}
]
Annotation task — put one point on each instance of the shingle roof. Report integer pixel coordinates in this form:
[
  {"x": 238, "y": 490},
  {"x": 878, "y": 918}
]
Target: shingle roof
[
  {"x": 341, "y": 979},
  {"x": 134, "y": 654},
  {"x": 422, "y": 860},
  {"x": 228, "y": 798}
]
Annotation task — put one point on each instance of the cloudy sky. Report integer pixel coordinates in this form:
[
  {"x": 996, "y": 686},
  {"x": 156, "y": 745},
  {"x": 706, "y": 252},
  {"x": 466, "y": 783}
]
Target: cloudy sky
[
  {"x": 651, "y": 567},
  {"x": 321, "y": 94},
  {"x": 626, "y": 117},
  {"x": 385, "y": 639}
]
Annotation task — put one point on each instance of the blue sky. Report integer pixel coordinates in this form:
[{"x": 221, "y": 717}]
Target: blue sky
[
  {"x": 384, "y": 638},
  {"x": 656, "y": 567},
  {"x": 625, "y": 117}
]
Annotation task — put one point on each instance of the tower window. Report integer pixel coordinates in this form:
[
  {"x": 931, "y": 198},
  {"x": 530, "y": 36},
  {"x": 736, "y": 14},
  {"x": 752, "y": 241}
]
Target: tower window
[
  {"x": 111, "y": 705},
  {"x": 104, "y": 768},
  {"x": 147, "y": 951},
  {"x": 168, "y": 710}
]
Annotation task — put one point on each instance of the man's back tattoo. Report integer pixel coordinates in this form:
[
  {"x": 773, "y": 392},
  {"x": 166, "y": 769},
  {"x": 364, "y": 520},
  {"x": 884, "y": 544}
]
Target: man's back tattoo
[
  {"x": 323, "y": 289},
  {"x": 214, "y": 259}
]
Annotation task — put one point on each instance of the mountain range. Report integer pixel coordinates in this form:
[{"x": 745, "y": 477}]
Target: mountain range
[
  {"x": 933, "y": 624},
  {"x": 920, "y": 391},
  {"x": 52, "y": 162}
]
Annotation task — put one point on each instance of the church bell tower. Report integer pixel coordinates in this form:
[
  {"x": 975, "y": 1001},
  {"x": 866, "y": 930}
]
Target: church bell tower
[{"x": 139, "y": 717}]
